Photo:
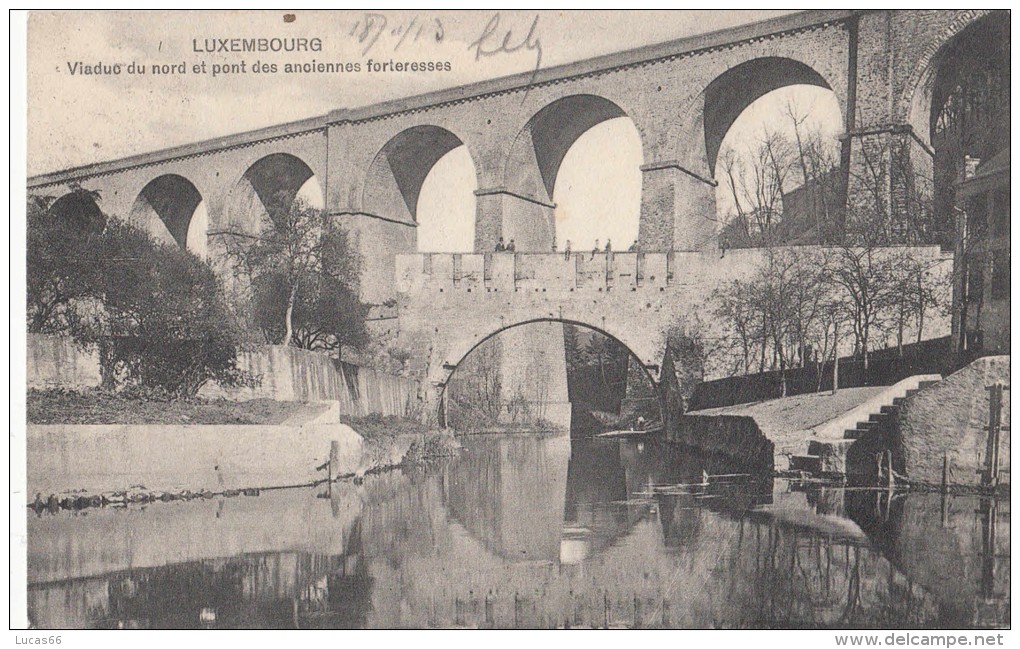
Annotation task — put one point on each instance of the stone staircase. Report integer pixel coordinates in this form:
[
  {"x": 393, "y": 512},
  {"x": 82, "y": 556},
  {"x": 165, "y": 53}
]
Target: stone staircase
[{"x": 828, "y": 456}]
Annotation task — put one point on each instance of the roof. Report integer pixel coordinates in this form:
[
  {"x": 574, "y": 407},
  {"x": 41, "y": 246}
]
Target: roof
[{"x": 989, "y": 174}]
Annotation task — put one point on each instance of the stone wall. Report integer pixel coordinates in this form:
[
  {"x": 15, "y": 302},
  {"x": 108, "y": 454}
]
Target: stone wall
[
  {"x": 948, "y": 420},
  {"x": 286, "y": 373},
  {"x": 63, "y": 458},
  {"x": 291, "y": 374},
  {"x": 736, "y": 437},
  {"x": 57, "y": 362}
]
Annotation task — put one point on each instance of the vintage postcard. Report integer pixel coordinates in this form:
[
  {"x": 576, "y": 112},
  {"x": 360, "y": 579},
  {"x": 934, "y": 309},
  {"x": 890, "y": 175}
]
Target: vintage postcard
[{"x": 516, "y": 320}]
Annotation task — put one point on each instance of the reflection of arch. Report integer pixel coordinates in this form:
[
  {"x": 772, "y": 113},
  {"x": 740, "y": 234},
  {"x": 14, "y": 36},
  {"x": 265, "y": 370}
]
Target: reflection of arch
[
  {"x": 730, "y": 93},
  {"x": 548, "y": 136},
  {"x": 516, "y": 513},
  {"x": 79, "y": 208},
  {"x": 273, "y": 180},
  {"x": 173, "y": 199},
  {"x": 395, "y": 177},
  {"x": 584, "y": 325}
]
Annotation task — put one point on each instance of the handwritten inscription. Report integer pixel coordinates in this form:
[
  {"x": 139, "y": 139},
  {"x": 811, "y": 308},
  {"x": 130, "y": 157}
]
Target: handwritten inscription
[
  {"x": 494, "y": 40},
  {"x": 370, "y": 27}
]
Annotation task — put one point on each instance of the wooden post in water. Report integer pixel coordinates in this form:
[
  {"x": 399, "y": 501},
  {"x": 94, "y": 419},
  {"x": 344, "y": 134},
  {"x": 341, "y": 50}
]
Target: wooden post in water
[
  {"x": 945, "y": 472},
  {"x": 991, "y": 476},
  {"x": 334, "y": 463},
  {"x": 891, "y": 477},
  {"x": 945, "y": 490}
]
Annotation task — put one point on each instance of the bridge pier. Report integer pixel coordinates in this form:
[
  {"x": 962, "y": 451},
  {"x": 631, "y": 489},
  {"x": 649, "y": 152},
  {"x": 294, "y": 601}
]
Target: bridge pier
[
  {"x": 528, "y": 220},
  {"x": 675, "y": 204}
]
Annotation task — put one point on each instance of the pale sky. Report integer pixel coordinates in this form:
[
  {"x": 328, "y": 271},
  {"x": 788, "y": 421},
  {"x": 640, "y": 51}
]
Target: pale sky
[{"x": 80, "y": 119}]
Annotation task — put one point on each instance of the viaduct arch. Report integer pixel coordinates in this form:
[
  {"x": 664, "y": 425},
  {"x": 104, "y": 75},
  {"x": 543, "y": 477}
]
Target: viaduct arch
[{"x": 166, "y": 206}]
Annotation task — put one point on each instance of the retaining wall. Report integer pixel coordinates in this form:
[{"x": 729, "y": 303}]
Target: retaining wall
[
  {"x": 57, "y": 362},
  {"x": 63, "y": 458},
  {"x": 287, "y": 374},
  {"x": 948, "y": 419}
]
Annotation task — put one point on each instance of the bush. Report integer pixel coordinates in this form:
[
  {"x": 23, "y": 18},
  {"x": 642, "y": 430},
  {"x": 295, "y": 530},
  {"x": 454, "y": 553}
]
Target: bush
[{"x": 163, "y": 328}]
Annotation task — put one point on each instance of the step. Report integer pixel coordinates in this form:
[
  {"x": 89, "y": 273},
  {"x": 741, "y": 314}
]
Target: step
[
  {"x": 822, "y": 449},
  {"x": 911, "y": 392},
  {"x": 878, "y": 417},
  {"x": 811, "y": 463},
  {"x": 853, "y": 433},
  {"x": 868, "y": 425},
  {"x": 898, "y": 400},
  {"x": 889, "y": 410},
  {"x": 926, "y": 384}
]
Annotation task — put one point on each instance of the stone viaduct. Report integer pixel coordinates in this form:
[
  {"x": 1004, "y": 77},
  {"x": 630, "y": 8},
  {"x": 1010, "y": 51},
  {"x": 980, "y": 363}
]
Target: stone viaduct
[{"x": 682, "y": 96}]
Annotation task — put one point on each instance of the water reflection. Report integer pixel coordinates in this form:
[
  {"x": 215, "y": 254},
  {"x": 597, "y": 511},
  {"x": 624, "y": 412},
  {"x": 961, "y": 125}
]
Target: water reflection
[{"x": 524, "y": 531}]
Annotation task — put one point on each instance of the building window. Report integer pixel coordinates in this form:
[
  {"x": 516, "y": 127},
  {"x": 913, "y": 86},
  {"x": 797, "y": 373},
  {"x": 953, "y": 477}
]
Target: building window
[
  {"x": 975, "y": 280},
  {"x": 1000, "y": 275},
  {"x": 1000, "y": 216},
  {"x": 977, "y": 217}
]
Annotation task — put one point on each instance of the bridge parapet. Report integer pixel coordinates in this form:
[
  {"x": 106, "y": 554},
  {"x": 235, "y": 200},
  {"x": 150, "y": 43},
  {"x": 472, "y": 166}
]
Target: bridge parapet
[{"x": 555, "y": 272}]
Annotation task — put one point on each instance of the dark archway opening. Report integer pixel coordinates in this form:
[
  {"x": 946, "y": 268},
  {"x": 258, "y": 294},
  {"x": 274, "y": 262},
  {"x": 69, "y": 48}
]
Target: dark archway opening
[
  {"x": 80, "y": 211},
  {"x": 733, "y": 91},
  {"x": 271, "y": 185},
  {"x": 970, "y": 109},
  {"x": 549, "y": 374},
  {"x": 772, "y": 129}
]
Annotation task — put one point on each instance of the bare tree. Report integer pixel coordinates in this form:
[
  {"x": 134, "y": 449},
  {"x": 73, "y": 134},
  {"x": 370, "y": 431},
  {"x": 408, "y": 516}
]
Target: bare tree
[{"x": 756, "y": 182}]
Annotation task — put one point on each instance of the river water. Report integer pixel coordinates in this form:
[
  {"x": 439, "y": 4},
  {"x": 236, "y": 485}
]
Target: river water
[{"x": 524, "y": 532}]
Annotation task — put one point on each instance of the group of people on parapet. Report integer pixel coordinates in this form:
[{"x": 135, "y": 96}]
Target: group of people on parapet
[
  {"x": 512, "y": 247},
  {"x": 506, "y": 247}
]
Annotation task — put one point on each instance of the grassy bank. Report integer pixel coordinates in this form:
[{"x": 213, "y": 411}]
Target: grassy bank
[{"x": 102, "y": 407}]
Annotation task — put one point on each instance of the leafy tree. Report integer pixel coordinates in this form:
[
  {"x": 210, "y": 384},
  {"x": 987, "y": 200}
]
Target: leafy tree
[
  {"x": 62, "y": 255},
  {"x": 304, "y": 274},
  {"x": 162, "y": 326}
]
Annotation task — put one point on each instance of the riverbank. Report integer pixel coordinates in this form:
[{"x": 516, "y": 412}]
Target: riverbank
[
  {"x": 801, "y": 433},
  {"x": 789, "y": 422},
  {"x": 176, "y": 454},
  {"x": 98, "y": 407}
]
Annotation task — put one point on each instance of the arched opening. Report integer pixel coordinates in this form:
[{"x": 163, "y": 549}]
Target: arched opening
[
  {"x": 172, "y": 210},
  {"x": 772, "y": 130},
  {"x": 549, "y": 374},
  {"x": 588, "y": 154},
  {"x": 270, "y": 184},
  {"x": 969, "y": 116},
  {"x": 426, "y": 176},
  {"x": 80, "y": 210}
]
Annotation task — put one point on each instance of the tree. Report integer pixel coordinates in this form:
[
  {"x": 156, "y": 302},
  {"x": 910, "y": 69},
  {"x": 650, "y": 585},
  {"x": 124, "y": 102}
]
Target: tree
[
  {"x": 692, "y": 346},
  {"x": 162, "y": 325},
  {"x": 778, "y": 312},
  {"x": 303, "y": 272},
  {"x": 755, "y": 182},
  {"x": 62, "y": 255}
]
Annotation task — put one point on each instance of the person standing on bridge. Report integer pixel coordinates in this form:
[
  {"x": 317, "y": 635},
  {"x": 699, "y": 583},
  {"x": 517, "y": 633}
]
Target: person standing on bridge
[
  {"x": 511, "y": 247},
  {"x": 609, "y": 246},
  {"x": 595, "y": 250},
  {"x": 566, "y": 250},
  {"x": 500, "y": 246}
]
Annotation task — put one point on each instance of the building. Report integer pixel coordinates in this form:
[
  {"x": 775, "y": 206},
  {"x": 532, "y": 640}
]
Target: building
[{"x": 981, "y": 293}]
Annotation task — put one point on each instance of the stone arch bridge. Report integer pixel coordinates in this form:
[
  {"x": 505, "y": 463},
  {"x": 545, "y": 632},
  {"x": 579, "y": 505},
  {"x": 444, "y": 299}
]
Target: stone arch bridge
[{"x": 682, "y": 97}]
